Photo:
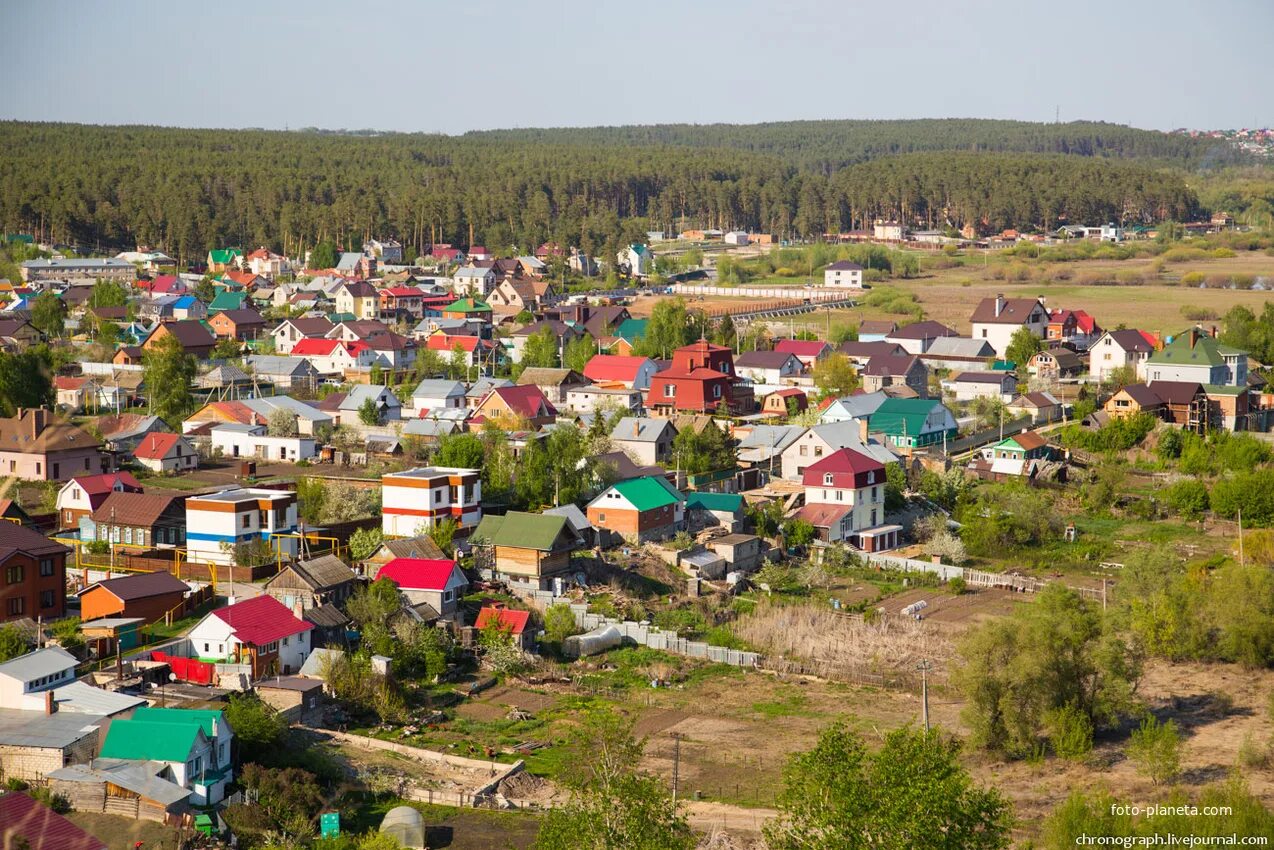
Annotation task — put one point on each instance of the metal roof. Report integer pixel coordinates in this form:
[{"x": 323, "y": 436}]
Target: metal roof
[
  {"x": 41, "y": 662},
  {"x": 35, "y": 729}
]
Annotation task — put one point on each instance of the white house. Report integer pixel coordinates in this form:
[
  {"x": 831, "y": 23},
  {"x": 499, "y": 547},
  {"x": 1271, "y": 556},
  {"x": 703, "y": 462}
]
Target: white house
[
  {"x": 594, "y": 399},
  {"x": 166, "y": 453},
  {"x": 888, "y": 231},
  {"x": 646, "y": 440},
  {"x": 631, "y": 372},
  {"x": 419, "y": 498},
  {"x": 474, "y": 281},
  {"x": 828, "y": 438},
  {"x": 436, "y": 583},
  {"x": 845, "y": 501},
  {"x": 736, "y": 237},
  {"x": 997, "y": 319},
  {"x": 843, "y": 274},
  {"x": 23, "y": 680},
  {"x": 970, "y": 385},
  {"x": 437, "y": 394},
  {"x": 238, "y": 517},
  {"x": 260, "y": 631},
  {"x": 1116, "y": 349},
  {"x": 189, "y": 747},
  {"x": 235, "y": 440},
  {"x": 767, "y": 367},
  {"x": 84, "y": 494},
  {"x": 388, "y": 407},
  {"x": 291, "y": 331},
  {"x": 637, "y": 259},
  {"x": 333, "y": 356}
]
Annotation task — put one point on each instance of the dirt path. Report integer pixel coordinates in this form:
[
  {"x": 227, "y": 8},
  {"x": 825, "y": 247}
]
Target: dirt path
[{"x": 735, "y": 819}]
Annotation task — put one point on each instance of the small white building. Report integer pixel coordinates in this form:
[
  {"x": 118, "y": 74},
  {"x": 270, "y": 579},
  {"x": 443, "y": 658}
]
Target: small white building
[
  {"x": 736, "y": 237},
  {"x": 237, "y": 517},
  {"x": 166, "y": 453},
  {"x": 260, "y": 631},
  {"x": 254, "y": 441},
  {"x": 594, "y": 399},
  {"x": 437, "y": 394},
  {"x": 997, "y": 319},
  {"x": 638, "y": 259},
  {"x": 419, "y": 498},
  {"x": 843, "y": 274},
  {"x": 23, "y": 680},
  {"x": 970, "y": 385},
  {"x": 474, "y": 281}
]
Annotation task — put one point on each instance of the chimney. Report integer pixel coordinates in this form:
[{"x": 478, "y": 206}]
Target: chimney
[
  {"x": 999, "y": 304},
  {"x": 862, "y": 430},
  {"x": 49, "y": 707},
  {"x": 297, "y": 610},
  {"x": 636, "y": 427}
]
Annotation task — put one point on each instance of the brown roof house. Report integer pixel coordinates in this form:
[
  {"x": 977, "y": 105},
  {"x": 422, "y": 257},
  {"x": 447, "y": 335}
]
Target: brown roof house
[
  {"x": 1132, "y": 400},
  {"x": 35, "y": 446},
  {"x": 192, "y": 335},
  {"x": 1055, "y": 363},
  {"x": 32, "y": 575},
  {"x": 238, "y": 324},
  {"x": 138, "y": 520},
  {"x": 148, "y": 596},
  {"x": 896, "y": 370}
]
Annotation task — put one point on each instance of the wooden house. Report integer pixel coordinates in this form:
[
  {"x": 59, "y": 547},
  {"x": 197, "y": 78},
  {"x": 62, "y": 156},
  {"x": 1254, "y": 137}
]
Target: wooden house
[{"x": 525, "y": 547}]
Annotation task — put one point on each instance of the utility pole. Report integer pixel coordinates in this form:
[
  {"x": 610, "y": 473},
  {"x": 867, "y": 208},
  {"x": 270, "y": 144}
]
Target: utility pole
[
  {"x": 924, "y": 667},
  {"x": 676, "y": 763},
  {"x": 1241, "y": 560}
]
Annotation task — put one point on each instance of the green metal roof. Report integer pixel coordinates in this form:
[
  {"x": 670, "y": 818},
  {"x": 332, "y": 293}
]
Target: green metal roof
[
  {"x": 337, "y": 318},
  {"x": 201, "y": 717},
  {"x": 227, "y": 300},
  {"x": 467, "y": 305},
  {"x": 145, "y": 740},
  {"x": 632, "y": 329},
  {"x": 899, "y": 416},
  {"x": 521, "y": 530},
  {"x": 1205, "y": 351},
  {"x": 732, "y": 502},
  {"x": 1223, "y": 389},
  {"x": 648, "y": 493},
  {"x": 225, "y": 255}
]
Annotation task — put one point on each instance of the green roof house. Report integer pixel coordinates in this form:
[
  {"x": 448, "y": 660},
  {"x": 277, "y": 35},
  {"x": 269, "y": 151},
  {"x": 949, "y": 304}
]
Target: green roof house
[
  {"x": 639, "y": 509},
  {"x": 913, "y": 422},
  {"x": 220, "y": 259},
  {"x": 1196, "y": 357},
  {"x": 524, "y": 546},
  {"x": 724, "y": 509},
  {"x": 631, "y": 330},
  {"x": 466, "y": 308},
  {"x": 194, "y": 744},
  {"x": 227, "y": 300}
]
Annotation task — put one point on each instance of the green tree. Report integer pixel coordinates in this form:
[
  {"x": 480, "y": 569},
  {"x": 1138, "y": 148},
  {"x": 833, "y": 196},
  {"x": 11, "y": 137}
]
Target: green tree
[
  {"x": 1023, "y": 345},
  {"x": 540, "y": 349},
  {"x": 324, "y": 255},
  {"x": 443, "y": 533},
  {"x": 257, "y": 726},
  {"x": 669, "y": 328},
  {"x": 912, "y": 794},
  {"x": 579, "y": 352},
  {"x": 168, "y": 373},
  {"x": 311, "y": 497},
  {"x": 798, "y": 532},
  {"x": 12, "y": 644},
  {"x": 835, "y": 376},
  {"x": 369, "y": 412},
  {"x": 108, "y": 293},
  {"x": 281, "y": 423},
  {"x": 706, "y": 450},
  {"x": 1053, "y": 653},
  {"x": 48, "y": 314},
  {"x": 364, "y": 542},
  {"x": 227, "y": 348},
  {"x": 464, "y": 451},
  {"x": 1155, "y": 748},
  {"x": 613, "y": 804},
  {"x": 25, "y": 381},
  {"x": 559, "y": 623}
]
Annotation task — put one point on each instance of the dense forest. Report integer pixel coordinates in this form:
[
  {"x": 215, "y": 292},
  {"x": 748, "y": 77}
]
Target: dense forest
[
  {"x": 825, "y": 146},
  {"x": 185, "y": 191}
]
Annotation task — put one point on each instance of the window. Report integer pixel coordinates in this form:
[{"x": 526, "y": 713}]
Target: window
[
  {"x": 840, "y": 495},
  {"x": 804, "y": 451},
  {"x": 871, "y": 477},
  {"x": 827, "y": 478},
  {"x": 285, "y": 641},
  {"x": 46, "y": 566},
  {"x": 13, "y": 575},
  {"x": 601, "y": 517},
  {"x": 874, "y": 494},
  {"x": 984, "y": 333},
  {"x": 245, "y": 521},
  {"x": 716, "y": 391},
  {"x": 75, "y": 493},
  {"x": 128, "y": 535},
  {"x": 17, "y": 606},
  {"x": 670, "y": 391},
  {"x": 46, "y": 599},
  {"x": 818, "y": 451},
  {"x": 873, "y": 516}
]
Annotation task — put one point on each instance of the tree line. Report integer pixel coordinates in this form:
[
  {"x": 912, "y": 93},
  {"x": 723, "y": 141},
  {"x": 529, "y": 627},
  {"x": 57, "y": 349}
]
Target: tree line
[{"x": 186, "y": 191}]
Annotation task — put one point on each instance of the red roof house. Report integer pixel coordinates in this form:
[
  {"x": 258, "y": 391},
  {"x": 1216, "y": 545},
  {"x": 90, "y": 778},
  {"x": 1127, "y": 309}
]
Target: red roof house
[
  {"x": 40, "y": 827},
  {"x": 632, "y": 372},
  {"x": 701, "y": 380},
  {"x": 808, "y": 351},
  {"x": 82, "y": 495},
  {"x": 260, "y": 631},
  {"x": 432, "y": 586},
  {"x": 844, "y": 469},
  {"x": 512, "y": 404},
  {"x": 511, "y": 622},
  {"x": 162, "y": 453}
]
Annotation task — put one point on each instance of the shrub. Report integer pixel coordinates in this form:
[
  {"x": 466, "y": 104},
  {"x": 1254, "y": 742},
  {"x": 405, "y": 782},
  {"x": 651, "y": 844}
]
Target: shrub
[
  {"x": 1188, "y": 497},
  {"x": 957, "y": 585},
  {"x": 1070, "y": 732},
  {"x": 1156, "y": 749}
]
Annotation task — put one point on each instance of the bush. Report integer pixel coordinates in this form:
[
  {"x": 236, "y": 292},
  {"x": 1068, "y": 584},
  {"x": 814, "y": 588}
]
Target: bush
[
  {"x": 1070, "y": 731},
  {"x": 1156, "y": 750},
  {"x": 957, "y": 585},
  {"x": 1188, "y": 498}
]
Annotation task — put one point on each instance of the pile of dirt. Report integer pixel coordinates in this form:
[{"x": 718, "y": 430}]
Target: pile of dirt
[{"x": 524, "y": 786}]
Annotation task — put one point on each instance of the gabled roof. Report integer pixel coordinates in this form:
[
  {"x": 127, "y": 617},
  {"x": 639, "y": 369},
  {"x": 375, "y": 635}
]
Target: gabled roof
[
  {"x": 100, "y": 485},
  {"x": 467, "y": 305},
  {"x": 525, "y": 400},
  {"x": 843, "y": 465},
  {"x": 323, "y": 572},
  {"x": 763, "y": 359},
  {"x": 135, "y": 509},
  {"x": 1013, "y": 311},
  {"x": 853, "y": 348},
  {"x": 507, "y": 619},
  {"x": 413, "y": 547},
  {"x": 38, "y": 663},
  {"x": 549, "y": 377},
  {"x": 922, "y": 330},
  {"x": 208, "y": 720},
  {"x": 844, "y": 266},
  {"x": 1175, "y": 392},
  {"x": 886, "y": 365},
  {"x": 140, "y": 586},
  {"x": 419, "y": 573},
  {"x": 41, "y": 827},
  {"x": 972, "y": 377},
  {"x": 260, "y": 620},
  {"x": 18, "y": 538},
  {"x": 242, "y": 316},
  {"x": 148, "y": 740},
  {"x": 156, "y": 446},
  {"x": 800, "y": 347},
  {"x": 520, "y": 530},
  {"x": 957, "y": 346},
  {"x": 640, "y": 429},
  {"x": 438, "y": 388},
  {"x": 614, "y": 367},
  {"x": 1130, "y": 339},
  {"x": 1035, "y": 399},
  {"x": 191, "y": 333},
  {"x": 1027, "y": 440},
  {"x": 1193, "y": 348},
  {"x": 897, "y": 416},
  {"x": 876, "y": 326},
  {"x": 359, "y": 288},
  {"x": 648, "y": 492},
  {"x": 822, "y": 515}
]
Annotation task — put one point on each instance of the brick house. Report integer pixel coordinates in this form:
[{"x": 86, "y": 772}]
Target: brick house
[
  {"x": 701, "y": 380},
  {"x": 32, "y": 575},
  {"x": 639, "y": 509},
  {"x": 34, "y": 446},
  {"x": 146, "y": 595},
  {"x": 242, "y": 324}
]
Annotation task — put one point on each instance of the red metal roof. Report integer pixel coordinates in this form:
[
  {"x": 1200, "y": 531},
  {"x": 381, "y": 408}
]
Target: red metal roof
[
  {"x": 525, "y": 400},
  {"x": 849, "y": 469},
  {"x": 311, "y": 346},
  {"x": 261, "y": 620},
  {"x": 40, "y": 826},
  {"x": 613, "y": 367},
  {"x": 100, "y": 485},
  {"x": 418, "y": 573},
  {"x": 800, "y": 347},
  {"x": 156, "y": 446},
  {"x": 513, "y": 622}
]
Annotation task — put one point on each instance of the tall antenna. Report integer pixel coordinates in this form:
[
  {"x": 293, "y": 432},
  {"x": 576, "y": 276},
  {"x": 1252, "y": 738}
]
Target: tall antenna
[{"x": 1057, "y": 114}]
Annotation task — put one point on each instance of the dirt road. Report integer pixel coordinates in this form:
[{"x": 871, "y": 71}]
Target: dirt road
[{"x": 735, "y": 819}]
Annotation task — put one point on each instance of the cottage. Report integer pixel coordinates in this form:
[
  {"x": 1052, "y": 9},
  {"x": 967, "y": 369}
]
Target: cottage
[
  {"x": 808, "y": 351},
  {"x": 997, "y": 319},
  {"x": 593, "y": 399},
  {"x": 242, "y": 324},
  {"x": 883, "y": 371},
  {"x": 917, "y": 337},
  {"x": 640, "y": 509},
  {"x": 191, "y": 335},
  {"x": 526, "y": 547},
  {"x": 141, "y": 520},
  {"x": 83, "y": 494},
  {"x": 998, "y": 385},
  {"x": 958, "y": 354},
  {"x": 553, "y": 383},
  {"x": 432, "y": 587},
  {"x": 785, "y": 402},
  {"x": 515, "y": 624},
  {"x": 166, "y": 453},
  {"x": 631, "y": 372},
  {"x": 1055, "y": 363},
  {"x": 289, "y": 374},
  {"x": 1042, "y": 407},
  {"x": 146, "y": 596},
  {"x": 260, "y": 631},
  {"x": 1118, "y": 349},
  {"x": 290, "y": 331},
  {"x": 768, "y": 367},
  {"x": 913, "y": 422},
  {"x": 194, "y": 745},
  {"x": 701, "y": 379},
  {"x": 647, "y": 441},
  {"x": 1196, "y": 356},
  {"x": 511, "y": 407},
  {"x": 1185, "y": 404},
  {"x": 843, "y": 274},
  {"x": 845, "y": 501},
  {"x": 358, "y": 298},
  {"x": 476, "y": 281},
  {"x": 312, "y": 583},
  {"x": 35, "y": 446}
]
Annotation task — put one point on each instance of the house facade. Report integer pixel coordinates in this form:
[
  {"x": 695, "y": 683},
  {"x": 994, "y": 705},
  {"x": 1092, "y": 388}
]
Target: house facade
[
  {"x": 36, "y": 446},
  {"x": 845, "y": 501},
  {"x": 997, "y": 319},
  {"x": 640, "y": 509},
  {"x": 32, "y": 575},
  {"x": 260, "y": 631},
  {"x": 166, "y": 453},
  {"x": 1117, "y": 349},
  {"x": 238, "y": 517},
  {"x": 525, "y": 547},
  {"x": 419, "y": 498}
]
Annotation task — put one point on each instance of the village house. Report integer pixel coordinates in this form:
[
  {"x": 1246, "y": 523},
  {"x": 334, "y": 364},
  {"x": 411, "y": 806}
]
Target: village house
[
  {"x": 468, "y": 309},
  {"x": 808, "y": 351},
  {"x": 145, "y": 596},
  {"x": 166, "y": 453},
  {"x": 525, "y": 547},
  {"x": 238, "y": 517},
  {"x": 1019, "y": 456},
  {"x": 917, "y": 337},
  {"x": 402, "y": 302},
  {"x": 265, "y": 263},
  {"x": 416, "y": 499},
  {"x": 637, "y": 260},
  {"x": 631, "y": 372},
  {"x": 260, "y": 631},
  {"x": 333, "y": 356},
  {"x": 875, "y": 330},
  {"x": 474, "y": 281},
  {"x": 438, "y": 394},
  {"x": 553, "y": 383},
  {"x": 594, "y": 399},
  {"x": 998, "y": 385},
  {"x": 358, "y": 298},
  {"x": 432, "y": 587},
  {"x": 1185, "y": 404},
  {"x": 194, "y": 745},
  {"x": 288, "y": 374},
  {"x": 192, "y": 336},
  {"x": 1042, "y": 407},
  {"x": 997, "y": 319},
  {"x": 236, "y": 440},
  {"x": 910, "y": 423},
  {"x": 83, "y": 494},
  {"x": 896, "y": 371},
  {"x": 768, "y": 367},
  {"x": 472, "y": 350},
  {"x": 701, "y": 379},
  {"x": 313, "y": 583},
  {"x": 35, "y": 446},
  {"x": 389, "y": 251},
  {"x": 1055, "y": 363},
  {"x": 843, "y": 274},
  {"x": 224, "y": 259},
  {"x": 647, "y": 441},
  {"x": 74, "y": 394},
  {"x": 1132, "y": 400},
  {"x": 705, "y": 509},
  {"x": 1117, "y": 349},
  {"x": 845, "y": 501},
  {"x": 784, "y": 402},
  {"x": 824, "y": 439},
  {"x": 515, "y": 624},
  {"x": 288, "y": 332},
  {"x": 1196, "y": 356},
  {"x": 1075, "y": 327},
  {"x": 32, "y": 575},
  {"x": 353, "y": 264},
  {"x": 511, "y": 407},
  {"x": 639, "y": 509},
  {"x": 242, "y": 325},
  {"x": 18, "y": 334},
  {"x": 138, "y": 520}
]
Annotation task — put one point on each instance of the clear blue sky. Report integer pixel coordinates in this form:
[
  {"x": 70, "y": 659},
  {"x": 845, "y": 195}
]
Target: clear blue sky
[{"x": 456, "y": 65}]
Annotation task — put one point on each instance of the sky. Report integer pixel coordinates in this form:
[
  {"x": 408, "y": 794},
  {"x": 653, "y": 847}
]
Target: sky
[{"x": 459, "y": 65}]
